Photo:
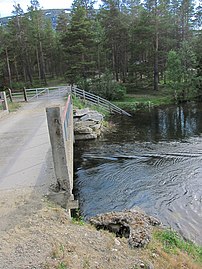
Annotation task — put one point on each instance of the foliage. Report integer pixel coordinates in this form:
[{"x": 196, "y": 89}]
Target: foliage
[
  {"x": 78, "y": 43},
  {"x": 146, "y": 44},
  {"x": 181, "y": 72},
  {"x": 104, "y": 86},
  {"x": 78, "y": 219},
  {"x": 77, "y": 102}
]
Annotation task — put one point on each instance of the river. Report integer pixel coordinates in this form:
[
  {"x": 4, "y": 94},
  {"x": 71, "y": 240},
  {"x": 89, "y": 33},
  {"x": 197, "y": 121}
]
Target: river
[{"x": 152, "y": 160}]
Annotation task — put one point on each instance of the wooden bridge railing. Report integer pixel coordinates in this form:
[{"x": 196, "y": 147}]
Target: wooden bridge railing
[
  {"x": 36, "y": 93},
  {"x": 99, "y": 101}
]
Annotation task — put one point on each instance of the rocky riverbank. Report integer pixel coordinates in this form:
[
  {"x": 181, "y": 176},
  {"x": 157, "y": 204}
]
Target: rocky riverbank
[{"x": 43, "y": 237}]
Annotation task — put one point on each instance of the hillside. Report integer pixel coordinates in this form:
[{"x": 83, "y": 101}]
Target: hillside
[{"x": 51, "y": 14}]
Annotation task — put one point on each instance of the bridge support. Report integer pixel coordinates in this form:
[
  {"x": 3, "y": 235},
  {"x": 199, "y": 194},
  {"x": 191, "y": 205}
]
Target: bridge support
[{"x": 62, "y": 138}]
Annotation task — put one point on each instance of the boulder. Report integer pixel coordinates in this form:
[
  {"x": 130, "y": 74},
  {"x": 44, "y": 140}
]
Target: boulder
[
  {"x": 82, "y": 130},
  {"x": 81, "y": 112},
  {"x": 92, "y": 116},
  {"x": 133, "y": 224},
  {"x": 80, "y": 137}
]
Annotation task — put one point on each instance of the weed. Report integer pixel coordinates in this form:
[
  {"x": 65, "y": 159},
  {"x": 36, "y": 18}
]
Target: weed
[
  {"x": 86, "y": 264},
  {"x": 77, "y": 218},
  {"x": 77, "y": 102},
  {"x": 62, "y": 266},
  {"x": 172, "y": 242},
  {"x": 13, "y": 106}
]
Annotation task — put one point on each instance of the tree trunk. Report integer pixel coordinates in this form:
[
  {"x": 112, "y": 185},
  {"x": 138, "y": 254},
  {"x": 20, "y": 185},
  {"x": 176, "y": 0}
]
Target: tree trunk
[
  {"x": 156, "y": 67},
  {"x": 43, "y": 73},
  {"x": 9, "y": 69}
]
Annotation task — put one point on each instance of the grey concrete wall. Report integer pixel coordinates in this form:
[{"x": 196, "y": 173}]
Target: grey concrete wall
[{"x": 62, "y": 151}]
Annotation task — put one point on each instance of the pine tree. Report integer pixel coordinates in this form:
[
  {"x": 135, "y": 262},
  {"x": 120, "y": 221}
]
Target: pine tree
[{"x": 78, "y": 44}]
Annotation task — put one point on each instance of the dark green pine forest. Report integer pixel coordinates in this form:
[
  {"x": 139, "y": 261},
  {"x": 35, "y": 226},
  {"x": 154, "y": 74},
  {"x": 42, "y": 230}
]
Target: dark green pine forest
[{"x": 122, "y": 46}]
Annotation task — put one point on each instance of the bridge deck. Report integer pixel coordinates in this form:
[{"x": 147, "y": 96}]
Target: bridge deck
[{"x": 25, "y": 147}]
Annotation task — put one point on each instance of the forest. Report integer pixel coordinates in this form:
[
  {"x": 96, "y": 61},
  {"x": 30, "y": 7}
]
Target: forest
[{"x": 119, "y": 47}]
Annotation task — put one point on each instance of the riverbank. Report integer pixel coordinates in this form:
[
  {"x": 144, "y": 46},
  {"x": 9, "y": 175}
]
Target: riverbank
[
  {"x": 145, "y": 99},
  {"x": 44, "y": 238}
]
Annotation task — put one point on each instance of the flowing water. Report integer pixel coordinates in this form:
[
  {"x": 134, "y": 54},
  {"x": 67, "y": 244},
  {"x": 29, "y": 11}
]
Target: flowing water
[{"x": 152, "y": 160}]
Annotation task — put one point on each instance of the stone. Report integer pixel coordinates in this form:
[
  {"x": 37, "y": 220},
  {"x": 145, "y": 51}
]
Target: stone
[
  {"x": 82, "y": 130},
  {"x": 81, "y": 112},
  {"x": 133, "y": 224},
  {"x": 85, "y": 136},
  {"x": 93, "y": 116},
  {"x": 96, "y": 126}
]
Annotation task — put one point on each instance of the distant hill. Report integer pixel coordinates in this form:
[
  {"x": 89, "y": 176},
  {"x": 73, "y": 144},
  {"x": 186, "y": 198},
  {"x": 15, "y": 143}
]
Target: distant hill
[{"x": 51, "y": 14}]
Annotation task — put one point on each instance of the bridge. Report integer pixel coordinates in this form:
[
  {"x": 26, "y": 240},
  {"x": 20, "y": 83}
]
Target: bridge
[
  {"x": 36, "y": 148},
  {"x": 30, "y": 95}
]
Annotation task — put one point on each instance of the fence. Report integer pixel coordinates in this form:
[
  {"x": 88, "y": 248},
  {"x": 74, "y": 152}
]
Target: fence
[
  {"x": 62, "y": 137},
  {"x": 3, "y": 101},
  {"x": 34, "y": 94},
  {"x": 99, "y": 101}
]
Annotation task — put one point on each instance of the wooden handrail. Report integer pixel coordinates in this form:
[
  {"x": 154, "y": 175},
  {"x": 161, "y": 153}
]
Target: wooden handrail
[{"x": 99, "y": 101}]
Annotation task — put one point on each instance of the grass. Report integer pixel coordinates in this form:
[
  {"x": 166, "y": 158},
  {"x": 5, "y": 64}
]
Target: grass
[
  {"x": 77, "y": 218},
  {"x": 62, "y": 266},
  {"x": 145, "y": 100},
  {"x": 167, "y": 250},
  {"x": 172, "y": 243},
  {"x": 13, "y": 106},
  {"x": 80, "y": 104}
]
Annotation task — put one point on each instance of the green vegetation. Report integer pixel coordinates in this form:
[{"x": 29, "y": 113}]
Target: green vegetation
[
  {"x": 62, "y": 266},
  {"x": 104, "y": 86},
  {"x": 133, "y": 102},
  {"x": 77, "y": 218},
  {"x": 77, "y": 102},
  {"x": 172, "y": 242},
  {"x": 121, "y": 47},
  {"x": 80, "y": 104}
]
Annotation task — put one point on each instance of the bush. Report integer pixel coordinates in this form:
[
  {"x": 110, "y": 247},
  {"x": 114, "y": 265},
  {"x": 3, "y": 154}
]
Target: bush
[
  {"x": 108, "y": 88},
  {"x": 104, "y": 86}
]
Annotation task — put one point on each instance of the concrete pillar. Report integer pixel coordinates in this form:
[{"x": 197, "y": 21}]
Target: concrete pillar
[
  {"x": 58, "y": 149},
  {"x": 62, "y": 151}
]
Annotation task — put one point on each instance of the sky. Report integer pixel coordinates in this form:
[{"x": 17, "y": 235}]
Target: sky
[{"x": 6, "y": 6}]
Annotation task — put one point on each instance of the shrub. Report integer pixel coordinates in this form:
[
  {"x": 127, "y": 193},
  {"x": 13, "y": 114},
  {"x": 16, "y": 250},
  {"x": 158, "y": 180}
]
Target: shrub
[{"x": 104, "y": 86}]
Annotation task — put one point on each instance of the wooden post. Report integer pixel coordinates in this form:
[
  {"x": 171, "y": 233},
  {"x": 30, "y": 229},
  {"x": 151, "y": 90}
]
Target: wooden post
[
  {"x": 4, "y": 103},
  {"x": 84, "y": 97},
  {"x": 10, "y": 95},
  {"x": 25, "y": 94}
]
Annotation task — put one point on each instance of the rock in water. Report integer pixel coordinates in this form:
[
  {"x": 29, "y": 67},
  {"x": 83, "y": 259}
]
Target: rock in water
[
  {"x": 87, "y": 124},
  {"x": 133, "y": 224}
]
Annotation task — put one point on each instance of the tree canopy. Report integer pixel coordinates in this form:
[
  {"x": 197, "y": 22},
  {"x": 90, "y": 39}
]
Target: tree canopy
[{"x": 145, "y": 44}]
